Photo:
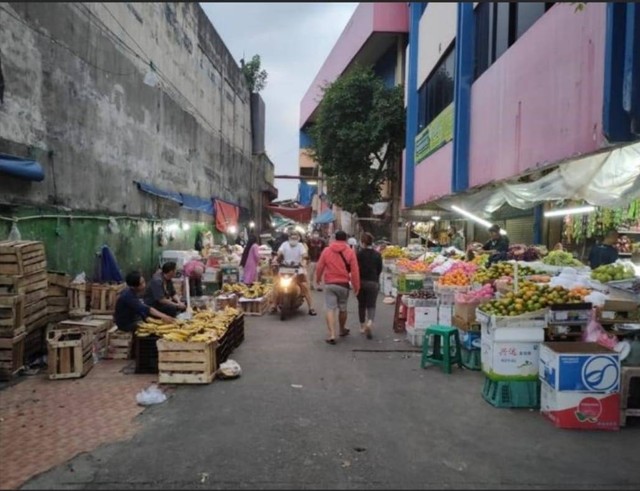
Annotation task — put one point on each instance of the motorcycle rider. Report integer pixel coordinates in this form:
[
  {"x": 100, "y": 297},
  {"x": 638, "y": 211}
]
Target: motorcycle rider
[{"x": 293, "y": 252}]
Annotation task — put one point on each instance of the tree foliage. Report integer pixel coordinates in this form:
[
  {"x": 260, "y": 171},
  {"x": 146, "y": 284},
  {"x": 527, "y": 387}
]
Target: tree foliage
[
  {"x": 255, "y": 77},
  {"x": 357, "y": 136}
]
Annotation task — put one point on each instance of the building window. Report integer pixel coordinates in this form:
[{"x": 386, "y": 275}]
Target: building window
[
  {"x": 498, "y": 25},
  {"x": 437, "y": 91}
]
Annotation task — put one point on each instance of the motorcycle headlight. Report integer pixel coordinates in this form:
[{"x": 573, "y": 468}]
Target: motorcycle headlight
[{"x": 286, "y": 282}]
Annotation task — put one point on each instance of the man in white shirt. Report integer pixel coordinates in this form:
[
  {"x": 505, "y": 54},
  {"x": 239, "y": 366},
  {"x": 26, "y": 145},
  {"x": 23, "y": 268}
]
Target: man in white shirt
[{"x": 294, "y": 252}]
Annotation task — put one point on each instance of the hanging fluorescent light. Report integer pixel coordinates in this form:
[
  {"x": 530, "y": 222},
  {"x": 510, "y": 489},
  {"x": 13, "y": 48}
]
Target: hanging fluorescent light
[
  {"x": 435, "y": 218},
  {"x": 475, "y": 218},
  {"x": 312, "y": 183},
  {"x": 252, "y": 224},
  {"x": 570, "y": 211}
]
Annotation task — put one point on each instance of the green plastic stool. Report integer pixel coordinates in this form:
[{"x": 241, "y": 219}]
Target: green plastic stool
[
  {"x": 440, "y": 356},
  {"x": 471, "y": 359}
]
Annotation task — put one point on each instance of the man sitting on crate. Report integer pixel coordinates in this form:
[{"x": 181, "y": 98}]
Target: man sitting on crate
[
  {"x": 160, "y": 293},
  {"x": 130, "y": 310}
]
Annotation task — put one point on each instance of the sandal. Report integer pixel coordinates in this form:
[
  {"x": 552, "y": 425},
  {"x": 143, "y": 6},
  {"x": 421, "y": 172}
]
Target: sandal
[
  {"x": 312, "y": 312},
  {"x": 345, "y": 332},
  {"x": 330, "y": 341}
]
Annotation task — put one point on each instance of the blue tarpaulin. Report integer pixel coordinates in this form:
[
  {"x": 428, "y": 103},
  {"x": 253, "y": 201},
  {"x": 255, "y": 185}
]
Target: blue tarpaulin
[
  {"x": 148, "y": 188},
  {"x": 324, "y": 217},
  {"x": 194, "y": 203},
  {"x": 306, "y": 192},
  {"x": 109, "y": 271},
  {"x": 29, "y": 170}
]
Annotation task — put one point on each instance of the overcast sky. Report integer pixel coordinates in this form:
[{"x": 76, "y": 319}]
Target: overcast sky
[{"x": 293, "y": 40}]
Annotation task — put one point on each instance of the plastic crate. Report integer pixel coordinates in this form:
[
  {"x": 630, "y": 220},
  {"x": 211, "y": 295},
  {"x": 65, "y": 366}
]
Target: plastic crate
[
  {"x": 512, "y": 394},
  {"x": 415, "y": 335},
  {"x": 471, "y": 359},
  {"x": 146, "y": 354}
]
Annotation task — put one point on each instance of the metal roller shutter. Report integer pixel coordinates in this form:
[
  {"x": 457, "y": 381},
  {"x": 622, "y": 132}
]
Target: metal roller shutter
[{"x": 520, "y": 230}]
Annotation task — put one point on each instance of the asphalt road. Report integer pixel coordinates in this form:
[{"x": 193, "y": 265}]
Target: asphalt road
[{"x": 358, "y": 415}]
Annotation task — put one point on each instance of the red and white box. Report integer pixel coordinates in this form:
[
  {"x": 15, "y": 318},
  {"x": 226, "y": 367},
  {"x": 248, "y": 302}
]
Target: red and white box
[{"x": 580, "y": 410}]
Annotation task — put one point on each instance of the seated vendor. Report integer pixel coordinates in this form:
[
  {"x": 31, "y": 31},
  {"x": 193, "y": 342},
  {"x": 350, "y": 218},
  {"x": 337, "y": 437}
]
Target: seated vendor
[
  {"x": 606, "y": 252},
  {"x": 161, "y": 294},
  {"x": 130, "y": 310},
  {"x": 497, "y": 245},
  {"x": 194, "y": 270}
]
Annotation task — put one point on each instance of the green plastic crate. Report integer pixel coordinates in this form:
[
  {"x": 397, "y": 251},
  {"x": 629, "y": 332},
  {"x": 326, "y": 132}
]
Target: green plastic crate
[
  {"x": 471, "y": 359},
  {"x": 512, "y": 394}
]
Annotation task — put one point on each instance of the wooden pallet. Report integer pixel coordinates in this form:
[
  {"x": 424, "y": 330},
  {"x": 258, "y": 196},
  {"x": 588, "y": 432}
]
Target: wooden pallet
[
  {"x": 70, "y": 353},
  {"x": 12, "y": 314},
  {"x": 97, "y": 328},
  {"x": 255, "y": 307},
  {"x": 118, "y": 344},
  {"x": 104, "y": 296},
  {"x": 11, "y": 356},
  {"x": 186, "y": 363},
  {"x": 22, "y": 257}
]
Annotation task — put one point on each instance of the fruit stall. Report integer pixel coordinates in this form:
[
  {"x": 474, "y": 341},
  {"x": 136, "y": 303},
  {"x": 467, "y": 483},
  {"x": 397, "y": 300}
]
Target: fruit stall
[{"x": 517, "y": 318}]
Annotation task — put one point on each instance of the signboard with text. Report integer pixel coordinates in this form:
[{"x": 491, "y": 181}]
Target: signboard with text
[{"x": 438, "y": 133}]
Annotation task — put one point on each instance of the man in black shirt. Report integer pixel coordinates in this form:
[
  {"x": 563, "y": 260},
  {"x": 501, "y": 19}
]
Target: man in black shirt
[
  {"x": 604, "y": 253},
  {"x": 370, "y": 265},
  {"x": 497, "y": 245},
  {"x": 161, "y": 294},
  {"x": 130, "y": 310}
]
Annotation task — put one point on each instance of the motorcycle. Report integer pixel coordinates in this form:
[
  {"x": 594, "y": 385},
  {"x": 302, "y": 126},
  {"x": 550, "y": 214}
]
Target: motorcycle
[{"x": 288, "y": 294}]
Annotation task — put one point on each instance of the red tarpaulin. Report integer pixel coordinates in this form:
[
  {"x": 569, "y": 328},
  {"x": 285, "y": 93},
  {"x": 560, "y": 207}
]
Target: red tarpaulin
[
  {"x": 226, "y": 215},
  {"x": 301, "y": 214}
]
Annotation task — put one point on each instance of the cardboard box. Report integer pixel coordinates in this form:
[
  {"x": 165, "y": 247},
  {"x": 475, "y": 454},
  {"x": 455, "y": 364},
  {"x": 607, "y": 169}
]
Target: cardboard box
[
  {"x": 445, "y": 315},
  {"x": 510, "y": 361},
  {"x": 578, "y": 410},
  {"x": 422, "y": 317},
  {"x": 580, "y": 367}
]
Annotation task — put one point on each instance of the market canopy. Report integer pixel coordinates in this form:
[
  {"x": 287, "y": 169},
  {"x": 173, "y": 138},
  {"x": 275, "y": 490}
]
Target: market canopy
[
  {"x": 609, "y": 179},
  {"x": 298, "y": 214},
  {"x": 26, "y": 169},
  {"x": 226, "y": 215},
  {"x": 325, "y": 217},
  {"x": 194, "y": 203},
  {"x": 161, "y": 193}
]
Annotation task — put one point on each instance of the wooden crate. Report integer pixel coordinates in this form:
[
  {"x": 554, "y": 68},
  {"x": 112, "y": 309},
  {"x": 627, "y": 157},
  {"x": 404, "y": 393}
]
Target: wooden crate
[
  {"x": 186, "y": 363},
  {"x": 230, "y": 300},
  {"x": 77, "y": 293},
  {"x": 57, "y": 284},
  {"x": 11, "y": 356},
  {"x": 97, "y": 328},
  {"x": 257, "y": 306},
  {"x": 22, "y": 257},
  {"x": 35, "y": 315},
  {"x": 103, "y": 317},
  {"x": 118, "y": 344},
  {"x": 57, "y": 305},
  {"x": 12, "y": 314},
  {"x": 104, "y": 296},
  {"x": 70, "y": 353}
]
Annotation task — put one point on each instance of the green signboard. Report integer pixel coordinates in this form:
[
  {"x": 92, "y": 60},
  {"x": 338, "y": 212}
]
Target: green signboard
[{"x": 434, "y": 136}]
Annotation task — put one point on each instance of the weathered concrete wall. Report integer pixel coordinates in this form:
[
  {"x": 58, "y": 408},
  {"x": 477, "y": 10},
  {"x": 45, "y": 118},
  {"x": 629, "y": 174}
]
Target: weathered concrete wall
[{"x": 75, "y": 100}]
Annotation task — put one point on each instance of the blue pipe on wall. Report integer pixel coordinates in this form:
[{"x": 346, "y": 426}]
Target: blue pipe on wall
[
  {"x": 415, "y": 11},
  {"x": 465, "y": 55}
]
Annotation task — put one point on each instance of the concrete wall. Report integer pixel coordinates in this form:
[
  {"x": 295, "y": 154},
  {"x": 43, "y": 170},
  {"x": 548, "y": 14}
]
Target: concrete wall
[
  {"x": 437, "y": 31},
  {"x": 542, "y": 100},
  {"x": 75, "y": 99}
]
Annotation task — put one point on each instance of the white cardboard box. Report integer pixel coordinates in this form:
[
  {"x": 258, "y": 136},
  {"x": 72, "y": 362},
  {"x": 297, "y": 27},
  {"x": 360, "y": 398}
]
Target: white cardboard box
[
  {"x": 510, "y": 361},
  {"x": 425, "y": 317}
]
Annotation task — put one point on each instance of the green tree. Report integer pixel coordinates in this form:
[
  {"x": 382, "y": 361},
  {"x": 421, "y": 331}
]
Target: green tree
[
  {"x": 255, "y": 77},
  {"x": 357, "y": 137}
]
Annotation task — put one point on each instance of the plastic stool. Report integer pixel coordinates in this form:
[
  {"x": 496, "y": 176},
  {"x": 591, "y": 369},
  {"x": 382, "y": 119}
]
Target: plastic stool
[
  {"x": 628, "y": 374},
  {"x": 440, "y": 356}
]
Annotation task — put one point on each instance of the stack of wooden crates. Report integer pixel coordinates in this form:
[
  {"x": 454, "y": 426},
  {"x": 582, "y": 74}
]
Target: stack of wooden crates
[{"x": 23, "y": 272}]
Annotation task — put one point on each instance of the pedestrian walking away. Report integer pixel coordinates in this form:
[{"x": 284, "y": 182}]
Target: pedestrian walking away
[
  {"x": 370, "y": 265},
  {"x": 250, "y": 260},
  {"x": 339, "y": 265}
]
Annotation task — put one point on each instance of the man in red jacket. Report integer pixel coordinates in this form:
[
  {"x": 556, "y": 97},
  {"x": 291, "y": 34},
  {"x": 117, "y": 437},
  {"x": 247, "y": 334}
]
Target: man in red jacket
[{"x": 339, "y": 265}]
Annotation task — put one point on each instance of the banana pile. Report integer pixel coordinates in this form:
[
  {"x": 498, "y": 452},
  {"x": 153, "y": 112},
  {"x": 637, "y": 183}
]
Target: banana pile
[
  {"x": 256, "y": 290},
  {"x": 203, "y": 327}
]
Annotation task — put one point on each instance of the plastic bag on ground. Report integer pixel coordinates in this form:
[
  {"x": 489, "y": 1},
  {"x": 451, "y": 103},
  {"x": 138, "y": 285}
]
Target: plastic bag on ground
[
  {"x": 81, "y": 278},
  {"x": 151, "y": 395},
  {"x": 15, "y": 234},
  {"x": 229, "y": 369}
]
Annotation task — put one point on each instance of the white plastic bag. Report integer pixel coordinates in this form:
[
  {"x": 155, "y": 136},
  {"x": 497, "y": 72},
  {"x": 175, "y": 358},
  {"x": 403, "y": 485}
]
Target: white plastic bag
[
  {"x": 229, "y": 369},
  {"x": 81, "y": 278},
  {"x": 15, "y": 234},
  {"x": 151, "y": 395}
]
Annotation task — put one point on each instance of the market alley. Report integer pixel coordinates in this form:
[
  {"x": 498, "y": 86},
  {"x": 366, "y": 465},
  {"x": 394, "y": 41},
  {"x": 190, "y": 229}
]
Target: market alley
[{"x": 360, "y": 414}]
